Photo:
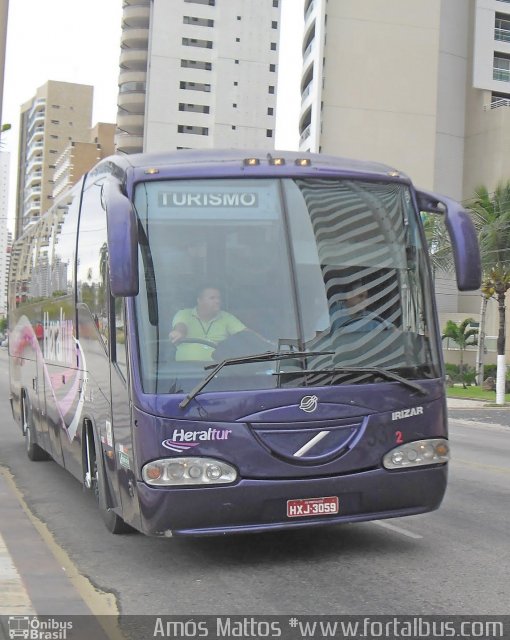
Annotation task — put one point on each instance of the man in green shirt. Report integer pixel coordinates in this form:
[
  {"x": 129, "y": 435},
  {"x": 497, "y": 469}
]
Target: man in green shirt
[{"x": 205, "y": 322}]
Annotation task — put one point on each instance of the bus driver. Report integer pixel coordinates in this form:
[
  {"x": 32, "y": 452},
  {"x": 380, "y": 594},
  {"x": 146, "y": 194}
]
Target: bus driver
[{"x": 206, "y": 322}]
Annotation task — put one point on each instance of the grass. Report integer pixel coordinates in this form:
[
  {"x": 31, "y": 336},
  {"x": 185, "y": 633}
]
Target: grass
[{"x": 473, "y": 393}]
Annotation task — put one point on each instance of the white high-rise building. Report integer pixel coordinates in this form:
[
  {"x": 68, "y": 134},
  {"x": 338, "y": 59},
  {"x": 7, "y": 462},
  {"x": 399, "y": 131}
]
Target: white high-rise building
[
  {"x": 5, "y": 235},
  {"x": 420, "y": 85},
  {"x": 198, "y": 74}
]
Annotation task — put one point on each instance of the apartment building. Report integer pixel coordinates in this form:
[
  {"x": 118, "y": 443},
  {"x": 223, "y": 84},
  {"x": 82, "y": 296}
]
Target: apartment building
[
  {"x": 4, "y": 11},
  {"x": 198, "y": 74},
  {"x": 420, "y": 85},
  {"x": 80, "y": 156},
  {"x": 59, "y": 113},
  {"x": 5, "y": 235}
]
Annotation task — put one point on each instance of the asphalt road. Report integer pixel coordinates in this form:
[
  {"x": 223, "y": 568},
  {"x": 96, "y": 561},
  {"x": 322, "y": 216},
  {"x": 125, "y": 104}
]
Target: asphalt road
[{"x": 452, "y": 561}]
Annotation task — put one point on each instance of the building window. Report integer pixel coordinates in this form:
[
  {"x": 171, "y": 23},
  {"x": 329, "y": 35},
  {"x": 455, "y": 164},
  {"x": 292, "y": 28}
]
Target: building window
[
  {"x": 235, "y": 105},
  {"x": 199, "y": 131},
  {"x": 270, "y": 111},
  {"x": 271, "y": 89},
  {"x": 238, "y": 39},
  {"x": 211, "y": 3},
  {"x": 502, "y": 27},
  {"x": 275, "y": 3},
  {"x": 193, "y": 42},
  {"x": 273, "y": 46},
  {"x": 199, "y": 22},
  {"x": 234, "y": 127},
  {"x": 195, "y": 108},
  {"x": 55, "y": 121},
  {"x": 236, "y": 61},
  {"x": 272, "y": 67},
  {"x": 500, "y": 100},
  {"x": 236, "y": 83},
  {"x": 269, "y": 133},
  {"x": 195, "y": 86},
  {"x": 238, "y": 17},
  {"x": 196, "y": 64},
  {"x": 274, "y": 24},
  {"x": 501, "y": 68}
]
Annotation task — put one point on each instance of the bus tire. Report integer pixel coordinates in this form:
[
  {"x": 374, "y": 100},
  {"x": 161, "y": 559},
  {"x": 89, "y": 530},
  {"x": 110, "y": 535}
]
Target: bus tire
[
  {"x": 34, "y": 451},
  {"x": 113, "y": 522}
]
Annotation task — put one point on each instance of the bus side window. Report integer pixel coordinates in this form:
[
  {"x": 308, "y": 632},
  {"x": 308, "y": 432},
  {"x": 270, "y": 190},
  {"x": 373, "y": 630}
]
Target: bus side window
[{"x": 119, "y": 352}]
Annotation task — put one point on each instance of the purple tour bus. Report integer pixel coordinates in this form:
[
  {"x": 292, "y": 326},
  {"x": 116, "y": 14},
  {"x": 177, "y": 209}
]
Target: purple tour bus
[{"x": 218, "y": 341}]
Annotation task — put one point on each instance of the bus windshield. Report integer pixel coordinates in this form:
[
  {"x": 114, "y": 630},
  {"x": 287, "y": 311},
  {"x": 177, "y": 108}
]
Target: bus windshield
[{"x": 237, "y": 267}]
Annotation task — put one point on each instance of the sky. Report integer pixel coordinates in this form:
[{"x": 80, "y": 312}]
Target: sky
[{"x": 58, "y": 40}]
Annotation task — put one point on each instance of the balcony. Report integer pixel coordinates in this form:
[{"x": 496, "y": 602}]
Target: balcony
[
  {"x": 307, "y": 91},
  {"x": 305, "y": 134},
  {"x": 136, "y": 16},
  {"x": 132, "y": 101},
  {"x": 35, "y": 163},
  {"x": 34, "y": 149},
  {"x": 501, "y": 74},
  {"x": 133, "y": 59},
  {"x": 34, "y": 178},
  {"x": 502, "y": 34},
  {"x": 126, "y": 143},
  {"x": 134, "y": 38},
  {"x": 132, "y": 80},
  {"x": 32, "y": 194},
  {"x": 131, "y": 123}
]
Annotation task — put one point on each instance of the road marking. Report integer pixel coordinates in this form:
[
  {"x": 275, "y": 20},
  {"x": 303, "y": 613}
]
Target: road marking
[
  {"x": 475, "y": 424},
  {"x": 15, "y": 599},
  {"x": 393, "y": 527},
  {"x": 478, "y": 465}
]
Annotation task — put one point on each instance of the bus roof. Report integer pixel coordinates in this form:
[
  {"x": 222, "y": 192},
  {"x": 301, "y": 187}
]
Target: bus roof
[{"x": 230, "y": 162}]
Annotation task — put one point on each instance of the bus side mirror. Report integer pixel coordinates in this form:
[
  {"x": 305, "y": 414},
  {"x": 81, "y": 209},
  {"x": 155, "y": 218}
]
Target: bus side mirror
[
  {"x": 122, "y": 241},
  {"x": 462, "y": 232}
]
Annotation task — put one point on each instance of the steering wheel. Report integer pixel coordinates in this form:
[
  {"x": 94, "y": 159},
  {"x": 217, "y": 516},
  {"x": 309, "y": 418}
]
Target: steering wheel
[{"x": 207, "y": 343}]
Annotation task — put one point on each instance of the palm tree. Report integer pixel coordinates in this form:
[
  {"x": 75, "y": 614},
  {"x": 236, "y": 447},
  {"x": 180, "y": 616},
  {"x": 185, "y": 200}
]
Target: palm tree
[
  {"x": 3, "y": 129},
  {"x": 491, "y": 215},
  {"x": 463, "y": 337}
]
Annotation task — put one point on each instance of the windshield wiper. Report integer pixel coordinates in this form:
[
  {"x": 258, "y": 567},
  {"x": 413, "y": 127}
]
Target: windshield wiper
[
  {"x": 383, "y": 373},
  {"x": 268, "y": 356}
]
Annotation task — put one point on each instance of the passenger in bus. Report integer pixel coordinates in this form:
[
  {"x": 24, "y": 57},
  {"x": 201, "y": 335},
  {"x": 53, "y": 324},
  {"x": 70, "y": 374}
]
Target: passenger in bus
[
  {"x": 203, "y": 327},
  {"x": 352, "y": 312}
]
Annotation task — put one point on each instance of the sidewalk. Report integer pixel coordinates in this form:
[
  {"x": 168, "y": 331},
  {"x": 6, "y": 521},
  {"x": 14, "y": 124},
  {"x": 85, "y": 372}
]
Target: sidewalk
[
  {"x": 32, "y": 581},
  {"x": 463, "y": 403}
]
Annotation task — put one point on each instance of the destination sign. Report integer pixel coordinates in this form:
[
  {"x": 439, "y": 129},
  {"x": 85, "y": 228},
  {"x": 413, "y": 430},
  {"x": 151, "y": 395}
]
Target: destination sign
[{"x": 182, "y": 199}]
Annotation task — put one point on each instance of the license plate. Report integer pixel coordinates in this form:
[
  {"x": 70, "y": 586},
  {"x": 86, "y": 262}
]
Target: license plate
[{"x": 312, "y": 507}]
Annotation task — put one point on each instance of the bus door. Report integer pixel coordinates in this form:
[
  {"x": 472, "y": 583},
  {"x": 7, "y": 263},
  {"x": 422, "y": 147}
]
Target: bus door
[{"x": 125, "y": 481}]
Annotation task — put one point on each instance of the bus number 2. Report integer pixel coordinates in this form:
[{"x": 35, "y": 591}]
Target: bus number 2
[{"x": 399, "y": 438}]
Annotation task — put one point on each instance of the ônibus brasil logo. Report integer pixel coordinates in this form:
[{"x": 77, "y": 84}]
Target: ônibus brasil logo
[
  {"x": 182, "y": 440},
  {"x": 38, "y": 628}
]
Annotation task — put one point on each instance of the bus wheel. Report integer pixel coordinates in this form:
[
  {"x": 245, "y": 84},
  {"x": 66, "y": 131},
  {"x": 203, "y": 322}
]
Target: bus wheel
[
  {"x": 34, "y": 451},
  {"x": 114, "y": 523}
]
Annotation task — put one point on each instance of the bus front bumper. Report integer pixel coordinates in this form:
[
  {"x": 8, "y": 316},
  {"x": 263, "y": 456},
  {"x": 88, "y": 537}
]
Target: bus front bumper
[{"x": 261, "y": 505}]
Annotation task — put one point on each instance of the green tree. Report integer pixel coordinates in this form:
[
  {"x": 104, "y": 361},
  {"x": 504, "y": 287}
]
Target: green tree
[
  {"x": 463, "y": 336},
  {"x": 3, "y": 129},
  {"x": 491, "y": 215}
]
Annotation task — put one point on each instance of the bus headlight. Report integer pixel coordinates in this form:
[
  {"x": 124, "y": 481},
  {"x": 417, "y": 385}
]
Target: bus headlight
[
  {"x": 417, "y": 454},
  {"x": 171, "y": 472}
]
